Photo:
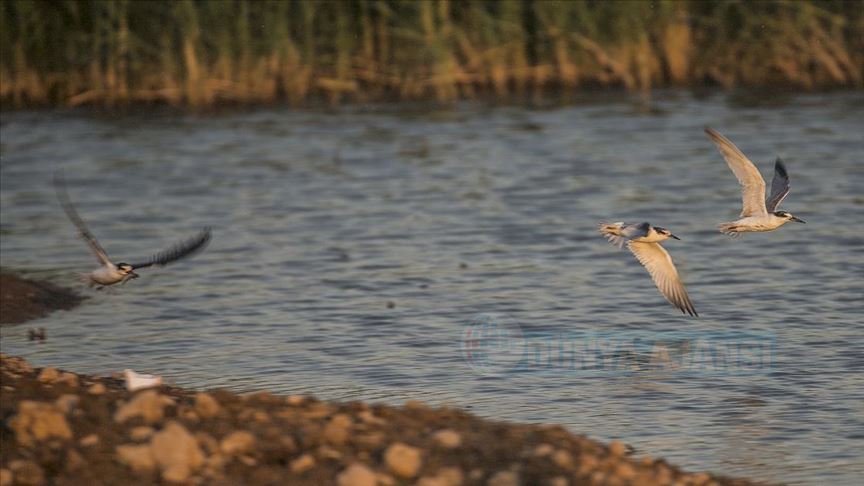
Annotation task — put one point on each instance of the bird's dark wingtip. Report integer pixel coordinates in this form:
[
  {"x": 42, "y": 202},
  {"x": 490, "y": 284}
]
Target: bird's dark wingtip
[{"x": 780, "y": 167}]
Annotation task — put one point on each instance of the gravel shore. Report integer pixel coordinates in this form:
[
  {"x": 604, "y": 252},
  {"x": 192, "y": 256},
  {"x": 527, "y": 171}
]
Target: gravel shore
[{"x": 63, "y": 428}]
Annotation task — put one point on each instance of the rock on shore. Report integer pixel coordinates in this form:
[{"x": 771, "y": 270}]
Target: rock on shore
[{"x": 88, "y": 430}]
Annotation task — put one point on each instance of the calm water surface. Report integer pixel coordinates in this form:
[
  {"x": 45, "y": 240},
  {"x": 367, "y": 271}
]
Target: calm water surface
[{"x": 323, "y": 219}]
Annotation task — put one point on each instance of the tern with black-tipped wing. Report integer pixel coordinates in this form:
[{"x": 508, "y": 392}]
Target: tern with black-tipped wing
[
  {"x": 643, "y": 240},
  {"x": 110, "y": 273},
  {"x": 758, "y": 213}
]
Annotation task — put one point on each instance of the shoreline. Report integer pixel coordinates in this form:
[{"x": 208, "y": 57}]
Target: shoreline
[
  {"x": 61, "y": 427},
  {"x": 67, "y": 428}
]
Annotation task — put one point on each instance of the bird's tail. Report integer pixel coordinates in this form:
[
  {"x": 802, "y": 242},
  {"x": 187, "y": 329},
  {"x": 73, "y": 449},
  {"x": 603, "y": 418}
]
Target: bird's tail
[
  {"x": 730, "y": 229},
  {"x": 86, "y": 278},
  {"x": 613, "y": 232}
]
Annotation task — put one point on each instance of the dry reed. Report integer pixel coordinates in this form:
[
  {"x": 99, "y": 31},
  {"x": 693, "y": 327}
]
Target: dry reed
[{"x": 201, "y": 53}]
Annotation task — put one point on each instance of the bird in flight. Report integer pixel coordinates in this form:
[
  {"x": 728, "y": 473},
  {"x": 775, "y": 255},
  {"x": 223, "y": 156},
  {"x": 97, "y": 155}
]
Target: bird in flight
[
  {"x": 643, "y": 240},
  {"x": 110, "y": 273},
  {"x": 758, "y": 213}
]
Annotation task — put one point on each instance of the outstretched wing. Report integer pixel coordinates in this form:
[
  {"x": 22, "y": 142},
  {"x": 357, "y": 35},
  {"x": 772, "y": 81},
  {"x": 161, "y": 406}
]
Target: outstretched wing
[
  {"x": 180, "y": 250},
  {"x": 659, "y": 264},
  {"x": 779, "y": 186},
  {"x": 619, "y": 233},
  {"x": 752, "y": 183},
  {"x": 72, "y": 214}
]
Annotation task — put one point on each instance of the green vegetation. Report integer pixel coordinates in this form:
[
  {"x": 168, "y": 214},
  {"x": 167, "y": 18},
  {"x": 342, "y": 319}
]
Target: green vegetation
[{"x": 199, "y": 53}]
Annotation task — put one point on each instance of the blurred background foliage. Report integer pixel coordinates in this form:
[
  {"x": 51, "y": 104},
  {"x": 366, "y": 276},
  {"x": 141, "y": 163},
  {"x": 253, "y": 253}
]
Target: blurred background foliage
[{"x": 201, "y": 53}]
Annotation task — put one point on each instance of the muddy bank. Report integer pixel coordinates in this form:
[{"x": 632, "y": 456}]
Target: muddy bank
[
  {"x": 63, "y": 428},
  {"x": 22, "y": 300}
]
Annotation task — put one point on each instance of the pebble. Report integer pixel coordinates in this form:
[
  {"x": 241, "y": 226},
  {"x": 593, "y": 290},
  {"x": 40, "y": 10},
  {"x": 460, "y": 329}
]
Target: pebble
[
  {"x": 625, "y": 471},
  {"x": 329, "y": 453},
  {"x": 415, "y": 405},
  {"x": 67, "y": 402},
  {"x": 176, "y": 452},
  {"x": 207, "y": 442},
  {"x": 97, "y": 389},
  {"x": 137, "y": 457},
  {"x": 617, "y": 448},
  {"x": 369, "y": 440},
  {"x": 89, "y": 441},
  {"x": 385, "y": 479},
  {"x": 295, "y": 400},
  {"x": 37, "y": 422},
  {"x": 16, "y": 364},
  {"x": 69, "y": 379},
  {"x": 148, "y": 405},
  {"x": 317, "y": 411},
  {"x": 504, "y": 478},
  {"x": 48, "y": 375},
  {"x": 188, "y": 414},
  {"x": 559, "y": 481},
  {"x": 587, "y": 463},
  {"x": 563, "y": 459},
  {"x": 141, "y": 433},
  {"x": 302, "y": 464},
  {"x": 287, "y": 444},
  {"x": 5, "y": 477},
  {"x": 543, "y": 450},
  {"x": 206, "y": 406},
  {"x": 700, "y": 478},
  {"x": 338, "y": 429},
  {"x": 237, "y": 443},
  {"x": 27, "y": 473},
  {"x": 403, "y": 460},
  {"x": 356, "y": 475},
  {"x": 74, "y": 460},
  {"x": 447, "y": 438},
  {"x": 446, "y": 476},
  {"x": 215, "y": 463},
  {"x": 366, "y": 416}
]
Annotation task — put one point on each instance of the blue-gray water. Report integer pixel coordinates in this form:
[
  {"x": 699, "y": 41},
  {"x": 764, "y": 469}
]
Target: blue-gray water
[{"x": 322, "y": 219}]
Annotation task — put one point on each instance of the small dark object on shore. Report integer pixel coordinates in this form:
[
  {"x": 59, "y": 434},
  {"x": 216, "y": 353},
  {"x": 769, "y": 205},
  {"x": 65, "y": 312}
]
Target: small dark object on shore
[
  {"x": 36, "y": 334},
  {"x": 391, "y": 304},
  {"x": 463, "y": 265}
]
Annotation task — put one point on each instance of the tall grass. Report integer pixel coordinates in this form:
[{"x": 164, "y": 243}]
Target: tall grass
[{"x": 200, "y": 53}]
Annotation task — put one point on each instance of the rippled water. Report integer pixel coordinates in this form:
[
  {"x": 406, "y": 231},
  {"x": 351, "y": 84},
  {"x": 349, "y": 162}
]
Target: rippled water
[{"x": 352, "y": 248}]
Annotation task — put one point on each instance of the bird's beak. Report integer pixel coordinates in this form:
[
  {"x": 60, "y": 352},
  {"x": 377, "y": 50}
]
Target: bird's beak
[
  {"x": 797, "y": 220},
  {"x": 673, "y": 236},
  {"x": 133, "y": 275}
]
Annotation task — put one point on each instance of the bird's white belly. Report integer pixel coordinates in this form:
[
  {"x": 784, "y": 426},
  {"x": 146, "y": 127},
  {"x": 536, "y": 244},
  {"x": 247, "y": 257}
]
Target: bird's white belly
[
  {"x": 106, "y": 276},
  {"x": 756, "y": 223}
]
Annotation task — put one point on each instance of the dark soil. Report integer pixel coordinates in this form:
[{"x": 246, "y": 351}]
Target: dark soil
[{"x": 22, "y": 300}]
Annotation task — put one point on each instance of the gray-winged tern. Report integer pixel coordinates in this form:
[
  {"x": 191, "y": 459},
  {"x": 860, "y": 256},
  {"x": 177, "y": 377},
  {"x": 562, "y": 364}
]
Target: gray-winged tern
[
  {"x": 758, "y": 213},
  {"x": 111, "y": 273},
  {"x": 643, "y": 240}
]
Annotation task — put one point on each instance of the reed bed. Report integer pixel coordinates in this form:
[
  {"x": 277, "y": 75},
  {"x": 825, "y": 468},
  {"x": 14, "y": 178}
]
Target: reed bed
[{"x": 202, "y": 53}]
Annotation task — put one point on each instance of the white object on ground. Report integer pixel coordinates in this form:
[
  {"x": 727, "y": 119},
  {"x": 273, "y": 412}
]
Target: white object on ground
[{"x": 138, "y": 381}]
